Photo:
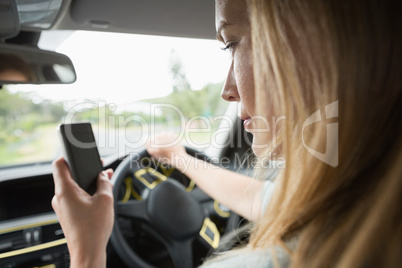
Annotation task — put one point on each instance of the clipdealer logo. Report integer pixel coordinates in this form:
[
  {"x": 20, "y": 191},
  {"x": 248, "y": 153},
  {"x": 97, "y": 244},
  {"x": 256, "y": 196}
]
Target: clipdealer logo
[{"x": 331, "y": 148}]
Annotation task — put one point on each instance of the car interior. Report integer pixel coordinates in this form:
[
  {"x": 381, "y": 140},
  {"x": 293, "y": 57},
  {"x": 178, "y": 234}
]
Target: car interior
[{"x": 161, "y": 218}]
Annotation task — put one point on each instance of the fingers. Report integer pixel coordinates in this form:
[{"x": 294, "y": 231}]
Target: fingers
[
  {"x": 104, "y": 186},
  {"x": 109, "y": 173}
]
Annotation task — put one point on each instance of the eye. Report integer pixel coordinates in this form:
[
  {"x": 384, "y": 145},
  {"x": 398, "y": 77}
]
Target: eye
[{"x": 229, "y": 46}]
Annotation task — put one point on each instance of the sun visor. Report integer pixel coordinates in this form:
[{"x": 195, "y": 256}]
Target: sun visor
[
  {"x": 9, "y": 19},
  {"x": 38, "y": 14}
]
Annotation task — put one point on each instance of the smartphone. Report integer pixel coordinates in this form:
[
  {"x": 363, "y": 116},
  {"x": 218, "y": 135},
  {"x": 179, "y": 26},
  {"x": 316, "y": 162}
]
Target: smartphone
[{"x": 81, "y": 153}]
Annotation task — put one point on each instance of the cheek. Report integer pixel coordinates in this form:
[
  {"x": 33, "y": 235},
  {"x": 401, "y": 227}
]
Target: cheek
[{"x": 245, "y": 80}]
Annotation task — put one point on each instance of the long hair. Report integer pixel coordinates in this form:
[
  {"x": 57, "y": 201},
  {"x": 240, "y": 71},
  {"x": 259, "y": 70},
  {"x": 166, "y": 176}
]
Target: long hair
[{"x": 334, "y": 69}]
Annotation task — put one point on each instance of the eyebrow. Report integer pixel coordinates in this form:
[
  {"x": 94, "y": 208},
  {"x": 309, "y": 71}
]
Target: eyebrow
[{"x": 222, "y": 25}]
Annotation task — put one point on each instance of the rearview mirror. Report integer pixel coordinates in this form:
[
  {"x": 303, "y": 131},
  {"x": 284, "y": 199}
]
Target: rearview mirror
[{"x": 30, "y": 65}]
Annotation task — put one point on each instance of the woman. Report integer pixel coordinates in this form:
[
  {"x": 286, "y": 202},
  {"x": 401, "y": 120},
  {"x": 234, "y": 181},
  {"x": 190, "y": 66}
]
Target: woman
[
  {"x": 337, "y": 202},
  {"x": 13, "y": 68}
]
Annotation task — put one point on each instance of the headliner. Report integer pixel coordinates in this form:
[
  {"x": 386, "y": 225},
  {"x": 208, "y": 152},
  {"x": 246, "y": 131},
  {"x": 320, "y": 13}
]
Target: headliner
[{"x": 182, "y": 18}]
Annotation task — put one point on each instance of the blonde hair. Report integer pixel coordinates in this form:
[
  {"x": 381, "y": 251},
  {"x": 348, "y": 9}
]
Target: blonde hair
[{"x": 308, "y": 55}]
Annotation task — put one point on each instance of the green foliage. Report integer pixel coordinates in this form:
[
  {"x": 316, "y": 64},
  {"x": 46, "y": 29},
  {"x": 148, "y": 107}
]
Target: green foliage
[
  {"x": 26, "y": 127},
  {"x": 12, "y": 106},
  {"x": 20, "y": 116},
  {"x": 205, "y": 102}
]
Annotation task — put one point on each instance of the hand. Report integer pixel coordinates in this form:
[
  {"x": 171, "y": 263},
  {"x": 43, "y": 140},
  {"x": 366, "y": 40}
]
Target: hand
[
  {"x": 162, "y": 149},
  {"x": 87, "y": 221}
]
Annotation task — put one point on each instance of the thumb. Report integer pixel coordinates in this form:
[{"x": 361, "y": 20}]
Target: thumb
[{"x": 63, "y": 182}]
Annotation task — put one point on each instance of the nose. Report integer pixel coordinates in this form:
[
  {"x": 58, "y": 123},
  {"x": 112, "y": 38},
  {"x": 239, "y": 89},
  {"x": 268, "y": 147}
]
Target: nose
[{"x": 229, "y": 91}]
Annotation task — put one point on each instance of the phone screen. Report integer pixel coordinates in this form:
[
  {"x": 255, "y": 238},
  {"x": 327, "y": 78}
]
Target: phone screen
[{"x": 81, "y": 154}]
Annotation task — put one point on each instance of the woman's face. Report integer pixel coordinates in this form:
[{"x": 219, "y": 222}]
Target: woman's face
[
  {"x": 233, "y": 30},
  {"x": 12, "y": 75}
]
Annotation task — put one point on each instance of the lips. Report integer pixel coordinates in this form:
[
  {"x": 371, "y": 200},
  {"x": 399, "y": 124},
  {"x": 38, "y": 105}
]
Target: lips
[
  {"x": 247, "y": 122},
  {"x": 245, "y": 116}
]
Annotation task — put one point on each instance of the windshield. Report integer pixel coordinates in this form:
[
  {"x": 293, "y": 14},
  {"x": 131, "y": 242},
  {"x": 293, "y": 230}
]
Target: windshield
[{"x": 129, "y": 87}]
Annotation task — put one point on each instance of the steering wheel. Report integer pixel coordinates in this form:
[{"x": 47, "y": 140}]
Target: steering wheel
[{"x": 170, "y": 209}]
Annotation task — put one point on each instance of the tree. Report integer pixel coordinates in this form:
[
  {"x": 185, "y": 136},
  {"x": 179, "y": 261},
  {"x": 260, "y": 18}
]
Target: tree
[
  {"x": 12, "y": 106},
  {"x": 180, "y": 82},
  {"x": 204, "y": 102},
  {"x": 17, "y": 110}
]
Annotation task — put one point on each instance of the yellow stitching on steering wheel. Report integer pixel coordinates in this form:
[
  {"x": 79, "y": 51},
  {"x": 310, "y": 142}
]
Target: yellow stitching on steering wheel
[
  {"x": 139, "y": 174},
  {"x": 166, "y": 171},
  {"x": 130, "y": 190}
]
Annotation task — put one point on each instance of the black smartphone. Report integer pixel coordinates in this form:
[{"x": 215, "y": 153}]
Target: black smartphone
[{"x": 81, "y": 153}]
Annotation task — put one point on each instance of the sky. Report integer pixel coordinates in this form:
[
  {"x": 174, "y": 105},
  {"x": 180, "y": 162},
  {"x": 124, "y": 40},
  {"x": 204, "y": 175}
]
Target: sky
[{"x": 122, "y": 68}]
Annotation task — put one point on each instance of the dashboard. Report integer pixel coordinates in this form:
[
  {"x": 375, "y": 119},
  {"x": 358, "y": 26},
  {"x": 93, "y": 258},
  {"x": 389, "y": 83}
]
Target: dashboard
[
  {"x": 25, "y": 197},
  {"x": 30, "y": 235}
]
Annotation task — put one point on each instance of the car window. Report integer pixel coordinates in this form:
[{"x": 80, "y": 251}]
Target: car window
[{"x": 128, "y": 86}]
